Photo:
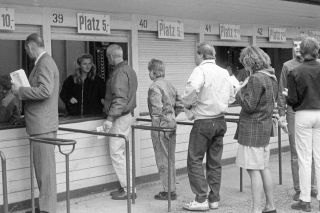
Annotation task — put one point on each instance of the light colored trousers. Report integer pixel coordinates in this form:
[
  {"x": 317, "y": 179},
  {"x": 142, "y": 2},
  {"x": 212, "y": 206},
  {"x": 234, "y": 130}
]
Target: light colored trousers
[
  {"x": 117, "y": 146},
  {"x": 294, "y": 156},
  {"x": 45, "y": 169},
  {"x": 307, "y": 138}
]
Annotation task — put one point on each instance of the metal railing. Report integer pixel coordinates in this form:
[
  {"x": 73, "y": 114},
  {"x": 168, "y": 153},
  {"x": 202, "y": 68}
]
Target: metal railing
[
  {"x": 56, "y": 142},
  {"x": 236, "y": 120},
  {"x": 4, "y": 182},
  {"x": 127, "y": 156},
  {"x": 152, "y": 128},
  {"x": 279, "y": 149}
]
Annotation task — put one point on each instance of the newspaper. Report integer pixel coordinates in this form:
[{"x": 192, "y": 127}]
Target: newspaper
[
  {"x": 100, "y": 129},
  {"x": 19, "y": 77}
]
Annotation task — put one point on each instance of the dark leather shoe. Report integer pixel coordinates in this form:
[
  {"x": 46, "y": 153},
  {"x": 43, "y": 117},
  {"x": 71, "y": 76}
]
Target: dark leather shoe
[
  {"x": 118, "y": 191},
  {"x": 270, "y": 211},
  {"x": 314, "y": 193},
  {"x": 122, "y": 196},
  {"x": 36, "y": 210},
  {"x": 301, "y": 205},
  {"x": 164, "y": 196},
  {"x": 296, "y": 196}
]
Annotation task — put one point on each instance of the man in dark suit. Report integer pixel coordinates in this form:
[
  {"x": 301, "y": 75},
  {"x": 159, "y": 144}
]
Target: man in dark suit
[{"x": 41, "y": 115}]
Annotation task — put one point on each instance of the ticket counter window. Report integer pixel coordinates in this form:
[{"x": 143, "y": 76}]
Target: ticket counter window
[
  {"x": 81, "y": 97},
  {"x": 228, "y": 58},
  {"x": 278, "y": 56},
  {"x": 12, "y": 57}
]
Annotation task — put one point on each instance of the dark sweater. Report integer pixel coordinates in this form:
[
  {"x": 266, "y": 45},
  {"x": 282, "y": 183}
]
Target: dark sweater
[
  {"x": 11, "y": 113},
  {"x": 88, "y": 95},
  {"x": 304, "y": 86}
]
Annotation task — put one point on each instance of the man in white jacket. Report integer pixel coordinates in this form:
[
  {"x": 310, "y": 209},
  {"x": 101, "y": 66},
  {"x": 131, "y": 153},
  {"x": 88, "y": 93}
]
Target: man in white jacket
[{"x": 206, "y": 96}]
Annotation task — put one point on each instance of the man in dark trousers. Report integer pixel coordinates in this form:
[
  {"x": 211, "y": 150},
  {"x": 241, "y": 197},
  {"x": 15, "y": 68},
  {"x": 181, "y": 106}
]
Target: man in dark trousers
[
  {"x": 206, "y": 97},
  {"x": 41, "y": 115}
]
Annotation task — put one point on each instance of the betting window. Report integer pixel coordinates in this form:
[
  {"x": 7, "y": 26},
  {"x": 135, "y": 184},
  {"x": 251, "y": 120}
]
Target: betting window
[
  {"x": 65, "y": 54},
  {"x": 12, "y": 57}
]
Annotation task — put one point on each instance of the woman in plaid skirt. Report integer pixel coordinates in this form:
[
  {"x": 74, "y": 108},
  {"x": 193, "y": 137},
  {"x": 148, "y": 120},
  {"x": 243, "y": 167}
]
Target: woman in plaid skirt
[{"x": 256, "y": 96}]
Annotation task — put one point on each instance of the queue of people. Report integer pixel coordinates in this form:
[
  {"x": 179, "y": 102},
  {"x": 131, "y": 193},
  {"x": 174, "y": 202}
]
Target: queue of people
[{"x": 205, "y": 100}]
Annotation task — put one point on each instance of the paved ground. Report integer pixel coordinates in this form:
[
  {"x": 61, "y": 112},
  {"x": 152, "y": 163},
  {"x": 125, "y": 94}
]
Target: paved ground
[{"x": 232, "y": 200}]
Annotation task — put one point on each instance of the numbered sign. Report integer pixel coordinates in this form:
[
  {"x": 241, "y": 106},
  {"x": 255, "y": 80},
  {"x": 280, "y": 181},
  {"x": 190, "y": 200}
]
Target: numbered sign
[
  {"x": 7, "y": 21},
  {"x": 143, "y": 24},
  {"x": 208, "y": 29},
  {"x": 277, "y": 34},
  {"x": 230, "y": 32},
  {"x": 93, "y": 23},
  {"x": 171, "y": 30},
  {"x": 57, "y": 18}
]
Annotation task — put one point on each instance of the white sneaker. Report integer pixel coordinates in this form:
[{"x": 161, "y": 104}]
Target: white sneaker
[
  {"x": 214, "y": 205},
  {"x": 196, "y": 206}
]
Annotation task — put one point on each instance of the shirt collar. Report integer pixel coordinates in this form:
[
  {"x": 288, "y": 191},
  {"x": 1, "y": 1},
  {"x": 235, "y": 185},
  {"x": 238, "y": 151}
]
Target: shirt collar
[
  {"x": 208, "y": 61},
  {"x": 39, "y": 57}
]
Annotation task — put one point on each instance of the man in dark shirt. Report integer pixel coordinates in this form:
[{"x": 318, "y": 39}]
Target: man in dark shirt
[
  {"x": 287, "y": 114},
  {"x": 120, "y": 101},
  {"x": 304, "y": 98}
]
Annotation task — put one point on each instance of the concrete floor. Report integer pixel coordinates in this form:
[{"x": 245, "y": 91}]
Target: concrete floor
[{"x": 232, "y": 200}]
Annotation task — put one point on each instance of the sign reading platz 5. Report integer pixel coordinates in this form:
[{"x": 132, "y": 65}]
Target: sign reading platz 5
[{"x": 93, "y": 23}]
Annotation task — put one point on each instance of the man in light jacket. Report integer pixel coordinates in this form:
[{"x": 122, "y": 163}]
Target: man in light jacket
[
  {"x": 206, "y": 96},
  {"x": 41, "y": 115}
]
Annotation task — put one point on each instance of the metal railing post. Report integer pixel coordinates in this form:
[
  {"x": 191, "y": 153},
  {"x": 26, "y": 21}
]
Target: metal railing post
[
  {"x": 280, "y": 155},
  {"x": 66, "y": 154},
  {"x": 169, "y": 176},
  {"x": 241, "y": 186},
  {"x": 58, "y": 142},
  {"x": 4, "y": 182},
  {"x": 159, "y": 129},
  {"x": 31, "y": 177},
  {"x": 127, "y": 144},
  {"x": 128, "y": 174},
  {"x": 133, "y": 165}
]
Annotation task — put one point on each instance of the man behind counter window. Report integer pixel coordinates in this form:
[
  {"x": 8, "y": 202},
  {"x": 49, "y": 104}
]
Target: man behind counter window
[
  {"x": 41, "y": 115},
  {"x": 120, "y": 102}
]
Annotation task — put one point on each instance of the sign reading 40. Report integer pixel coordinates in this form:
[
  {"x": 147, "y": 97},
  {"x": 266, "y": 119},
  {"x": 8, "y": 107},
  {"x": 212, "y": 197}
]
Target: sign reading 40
[{"x": 93, "y": 23}]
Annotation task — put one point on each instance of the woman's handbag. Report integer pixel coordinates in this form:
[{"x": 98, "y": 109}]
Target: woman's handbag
[{"x": 274, "y": 128}]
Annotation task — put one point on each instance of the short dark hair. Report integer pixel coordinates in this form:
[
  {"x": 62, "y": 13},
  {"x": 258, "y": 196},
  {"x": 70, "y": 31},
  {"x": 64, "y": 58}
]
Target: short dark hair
[
  {"x": 36, "y": 38},
  {"x": 5, "y": 82},
  {"x": 207, "y": 50},
  {"x": 309, "y": 48}
]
